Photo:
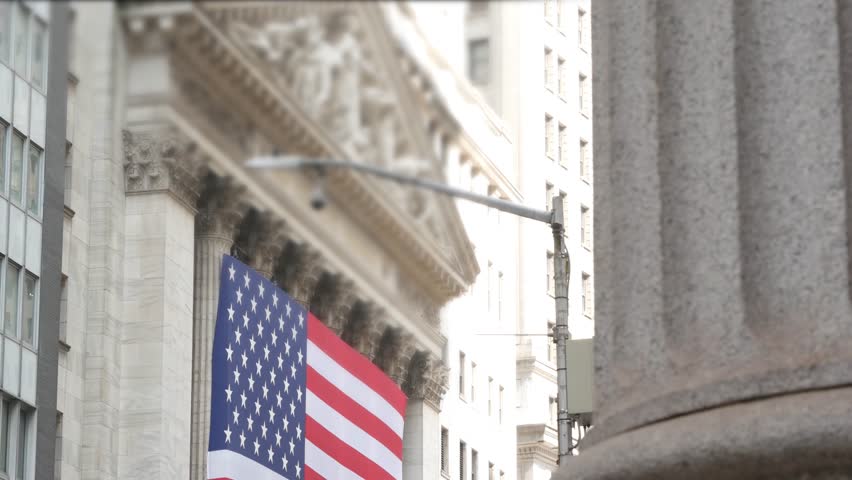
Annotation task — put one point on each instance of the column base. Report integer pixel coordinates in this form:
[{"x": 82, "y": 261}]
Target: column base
[{"x": 798, "y": 436}]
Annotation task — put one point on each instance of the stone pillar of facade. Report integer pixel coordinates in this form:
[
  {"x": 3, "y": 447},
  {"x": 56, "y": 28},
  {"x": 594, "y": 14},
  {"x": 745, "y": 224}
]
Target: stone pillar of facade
[
  {"x": 425, "y": 384},
  {"x": 722, "y": 192},
  {"x": 260, "y": 238},
  {"x": 298, "y": 271},
  {"x": 219, "y": 213},
  {"x": 162, "y": 180}
]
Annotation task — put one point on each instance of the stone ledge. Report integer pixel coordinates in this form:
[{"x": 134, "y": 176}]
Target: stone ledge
[
  {"x": 736, "y": 442},
  {"x": 777, "y": 374}
]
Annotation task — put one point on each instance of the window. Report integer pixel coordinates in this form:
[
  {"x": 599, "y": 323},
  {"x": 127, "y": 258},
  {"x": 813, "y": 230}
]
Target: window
[
  {"x": 562, "y": 72},
  {"x": 4, "y": 133},
  {"x": 563, "y": 146},
  {"x": 22, "y": 31},
  {"x": 554, "y": 408},
  {"x": 550, "y": 275},
  {"x": 472, "y": 381},
  {"x": 548, "y": 68},
  {"x": 549, "y": 133},
  {"x": 477, "y": 6},
  {"x": 29, "y": 310},
  {"x": 583, "y": 92},
  {"x": 488, "y": 274},
  {"x": 500, "y": 297},
  {"x": 479, "y": 61},
  {"x": 445, "y": 457},
  {"x": 500, "y": 405},
  {"x": 490, "y": 471},
  {"x": 63, "y": 307},
  {"x": 462, "y": 460},
  {"x": 5, "y": 29},
  {"x": 38, "y": 54},
  {"x": 474, "y": 464},
  {"x": 587, "y": 295},
  {"x": 549, "y": 10},
  {"x": 490, "y": 389},
  {"x": 581, "y": 28},
  {"x": 548, "y": 188},
  {"x": 586, "y": 227},
  {"x": 551, "y": 347},
  {"x": 57, "y": 449},
  {"x": 4, "y": 435},
  {"x": 16, "y": 183},
  {"x": 34, "y": 180},
  {"x": 13, "y": 275},
  {"x": 23, "y": 434},
  {"x": 461, "y": 375},
  {"x": 584, "y": 160}
]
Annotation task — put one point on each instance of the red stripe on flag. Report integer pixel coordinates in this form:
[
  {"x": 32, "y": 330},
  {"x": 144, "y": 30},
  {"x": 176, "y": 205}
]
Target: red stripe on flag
[
  {"x": 343, "y": 453},
  {"x": 355, "y": 363},
  {"x": 310, "y": 474},
  {"x": 354, "y": 412}
]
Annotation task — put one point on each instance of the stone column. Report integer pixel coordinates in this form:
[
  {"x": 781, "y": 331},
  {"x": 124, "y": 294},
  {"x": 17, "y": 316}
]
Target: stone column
[
  {"x": 425, "y": 385},
  {"x": 162, "y": 179},
  {"x": 261, "y": 238},
  {"x": 722, "y": 192},
  {"x": 219, "y": 213}
]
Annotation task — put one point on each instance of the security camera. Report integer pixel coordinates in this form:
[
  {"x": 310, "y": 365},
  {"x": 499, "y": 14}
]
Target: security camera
[{"x": 318, "y": 198}]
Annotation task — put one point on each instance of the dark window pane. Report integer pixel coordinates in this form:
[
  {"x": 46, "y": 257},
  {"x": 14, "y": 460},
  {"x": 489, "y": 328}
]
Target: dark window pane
[{"x": 13, "y": 274}]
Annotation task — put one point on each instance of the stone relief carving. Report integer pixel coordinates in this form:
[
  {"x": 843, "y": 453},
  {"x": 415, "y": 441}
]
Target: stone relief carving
[
  {"x": 427, "y": 379},
  {"x": 161, "y": 161},
  {"x": 220, "y": 207},
  {"x": 323, "y": 63},
  {"x": 260, "y": 239}
]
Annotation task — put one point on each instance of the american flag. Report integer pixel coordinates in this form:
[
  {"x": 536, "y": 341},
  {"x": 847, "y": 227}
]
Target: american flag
[{"x": 290, "y": 399}]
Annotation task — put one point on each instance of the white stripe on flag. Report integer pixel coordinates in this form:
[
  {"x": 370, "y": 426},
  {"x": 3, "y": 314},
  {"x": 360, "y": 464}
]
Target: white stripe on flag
[
  {"x": 325, "y": 466},
  {"x": 351, "y": 434},
  {"x": 354, "y": 388},
  {"x": 228, "y": 464}
]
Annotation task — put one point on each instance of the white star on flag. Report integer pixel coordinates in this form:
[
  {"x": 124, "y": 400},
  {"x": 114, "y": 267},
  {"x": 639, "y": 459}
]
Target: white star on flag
[
  {"x": 253, "y": 305},
  {"x": 231, "y": 312},
  {"x": 289, "y": 309},
  {"x": 228, "y": 434},
  {"x": 260, "y": 287},
  {"x": 228, "y": 392},
  {"x": 232, "y": 271},
  {"x": 242, "y": 440},
  {"x": 247, "y": 279},
  {"x": 239, "y": 296},
  {"x": 230, "y": 352},
  {"x": 236, "y": 416}
]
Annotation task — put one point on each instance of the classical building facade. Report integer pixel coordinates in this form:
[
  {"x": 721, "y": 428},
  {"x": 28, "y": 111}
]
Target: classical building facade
[
  {"x": 723, "y": 192},
  {"x": 167, "y": 101}
]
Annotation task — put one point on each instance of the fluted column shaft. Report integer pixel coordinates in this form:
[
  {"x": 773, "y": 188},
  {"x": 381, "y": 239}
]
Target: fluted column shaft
[
  {"x": 722, "y": 192},
  {"x": 215, "y": 232}
]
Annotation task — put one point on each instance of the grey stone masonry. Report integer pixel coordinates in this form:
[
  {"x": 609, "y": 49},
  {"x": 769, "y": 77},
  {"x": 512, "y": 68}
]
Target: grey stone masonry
[{"x": 723, "y": 186}]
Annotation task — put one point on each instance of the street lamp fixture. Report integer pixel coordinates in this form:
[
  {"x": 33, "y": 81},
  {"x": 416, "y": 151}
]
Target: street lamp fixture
[{"x": 555, "y": 218}]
